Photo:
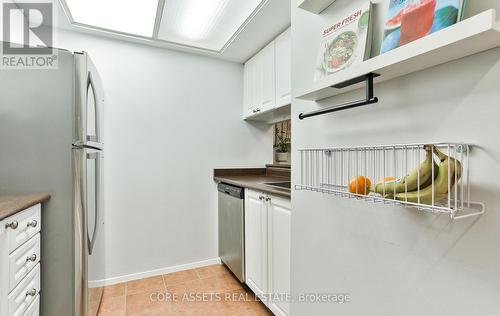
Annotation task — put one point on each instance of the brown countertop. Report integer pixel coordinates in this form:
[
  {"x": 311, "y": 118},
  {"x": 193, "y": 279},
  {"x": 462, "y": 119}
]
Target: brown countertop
[
  {"x": 10, "y": 205},
  {"x": 255, "y": 179}
]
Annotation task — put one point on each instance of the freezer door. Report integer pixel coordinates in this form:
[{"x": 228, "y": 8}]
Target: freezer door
[
  {"x": 89, "y": 103},
  {"x": 95, "y": 104},
  {"x": 89, "y": 248}
]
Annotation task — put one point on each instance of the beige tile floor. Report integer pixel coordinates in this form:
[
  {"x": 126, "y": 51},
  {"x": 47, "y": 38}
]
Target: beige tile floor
[{"x": 208, "y": 291}]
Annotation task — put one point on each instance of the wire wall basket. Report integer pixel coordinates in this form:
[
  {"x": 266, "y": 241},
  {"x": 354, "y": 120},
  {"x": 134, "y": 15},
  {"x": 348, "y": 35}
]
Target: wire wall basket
[{"x": 431, "y": 177}]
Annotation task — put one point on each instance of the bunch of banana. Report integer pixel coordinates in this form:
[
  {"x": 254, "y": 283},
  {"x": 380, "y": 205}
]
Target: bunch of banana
[
  {"x": 420, "y": 177},
  {"x": 446, "y": 170}
]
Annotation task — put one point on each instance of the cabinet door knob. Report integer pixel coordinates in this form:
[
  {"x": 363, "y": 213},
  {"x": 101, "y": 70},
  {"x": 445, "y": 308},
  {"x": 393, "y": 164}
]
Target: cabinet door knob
[
  {"x": 261, "y": 198},
  {"x": 31, "y": 292},
  {"x": 33, "y": 223},
  {"x": 268, "y": 199},
  {"x": 12, "y": 225},
  {"x": 31, "y": 258}
]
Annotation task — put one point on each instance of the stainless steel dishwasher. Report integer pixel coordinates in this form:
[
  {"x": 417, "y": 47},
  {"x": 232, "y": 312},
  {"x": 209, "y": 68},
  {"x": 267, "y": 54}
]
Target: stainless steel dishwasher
[{"x": 232, "y": 228}]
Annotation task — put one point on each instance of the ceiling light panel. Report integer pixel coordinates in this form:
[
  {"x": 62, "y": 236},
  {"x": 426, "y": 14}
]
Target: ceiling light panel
[
  {"x": 206, "y": 24},
  {"x": 126, "y": 16}
]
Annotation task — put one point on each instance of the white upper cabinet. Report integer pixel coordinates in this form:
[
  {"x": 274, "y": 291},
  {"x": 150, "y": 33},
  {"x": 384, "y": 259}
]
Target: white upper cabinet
[
  {"x": 267, "y": 78},
  {"x": 259, "y": 83},
  {"x": 249, "y": 89},
  {"x": 283, "y": 69}
]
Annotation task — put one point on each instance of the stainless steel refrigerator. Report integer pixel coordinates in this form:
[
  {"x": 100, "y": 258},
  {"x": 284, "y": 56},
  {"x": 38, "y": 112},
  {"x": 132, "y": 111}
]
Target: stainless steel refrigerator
[{"x": 51, "y": 141}]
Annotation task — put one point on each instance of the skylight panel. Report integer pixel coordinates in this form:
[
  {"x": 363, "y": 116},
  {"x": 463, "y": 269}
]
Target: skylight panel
[
  {"x": 206, "y": 24},
  {"x": 124, "y": 16}
]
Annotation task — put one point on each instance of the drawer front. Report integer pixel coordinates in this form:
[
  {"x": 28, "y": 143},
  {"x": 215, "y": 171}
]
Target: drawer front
[
  {"x": 34, "y": 309},
  {"x": 28, "y": 225},
  {"x": 23, "y": 260},
  {"x": 25, "y": 293}
]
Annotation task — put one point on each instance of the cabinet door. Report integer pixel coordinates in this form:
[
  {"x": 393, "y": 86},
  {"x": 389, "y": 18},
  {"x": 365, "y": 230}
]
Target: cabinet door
[
  {"x": 249, "y": 88},
  {"x": 34, "y": 308},
  {"x": 21, "y": 298},
  {"x": 266, "y": 74},
  {"x": 256, "y": 242},
  {"x": 257, "y": 82},
  {"x": 283, "y": 69},
  {"x": 279, "y": 253},
  {"x": 23, "y": 260},
  {"x": 4, "y": 268}
]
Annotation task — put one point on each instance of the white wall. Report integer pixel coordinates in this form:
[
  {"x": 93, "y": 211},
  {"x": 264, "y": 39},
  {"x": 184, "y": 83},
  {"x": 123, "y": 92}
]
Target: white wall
[
  {"x": 170, "y": 119},
  {"x": 395, "y": 261}
]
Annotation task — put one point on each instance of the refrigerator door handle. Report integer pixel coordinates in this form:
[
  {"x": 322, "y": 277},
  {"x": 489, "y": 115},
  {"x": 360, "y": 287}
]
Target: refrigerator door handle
[
  {"x": 89, "y": 102},
  {"x": 97, "y": 199},
  {"x": 91, "y": 86}
]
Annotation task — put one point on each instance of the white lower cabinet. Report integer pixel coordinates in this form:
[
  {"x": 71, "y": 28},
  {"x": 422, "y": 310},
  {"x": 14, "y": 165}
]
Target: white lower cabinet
[
  {"x": 34, "y": 308},
  {"x": 279, "y": 254},
  {"x": 20, "y": 263},
  {"x": 21, "y": 298},
  {"x": 267, "y": 249},
  {"x": 256, "y": 242}
]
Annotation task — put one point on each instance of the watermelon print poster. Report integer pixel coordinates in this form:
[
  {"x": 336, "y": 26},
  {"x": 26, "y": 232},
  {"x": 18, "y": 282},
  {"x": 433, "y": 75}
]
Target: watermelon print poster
[{"x": 409, "y": 20}]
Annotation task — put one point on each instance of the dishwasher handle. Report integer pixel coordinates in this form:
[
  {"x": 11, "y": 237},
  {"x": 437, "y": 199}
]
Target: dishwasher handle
[{"x": 231, "y": 190}]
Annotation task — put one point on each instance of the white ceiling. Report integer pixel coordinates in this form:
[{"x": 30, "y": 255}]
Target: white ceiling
[{"x": 230, "y": 41}]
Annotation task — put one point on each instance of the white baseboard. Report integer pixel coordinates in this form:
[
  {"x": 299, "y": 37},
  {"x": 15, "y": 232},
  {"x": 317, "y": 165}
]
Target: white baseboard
[{"x": 152, "y": 273}]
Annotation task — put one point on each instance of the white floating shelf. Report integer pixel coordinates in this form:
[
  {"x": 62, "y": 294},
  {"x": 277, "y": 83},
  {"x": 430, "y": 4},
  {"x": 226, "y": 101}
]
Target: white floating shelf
[
  {"x": 314, "y": 6},
  {"x": 471, "y": 36}
]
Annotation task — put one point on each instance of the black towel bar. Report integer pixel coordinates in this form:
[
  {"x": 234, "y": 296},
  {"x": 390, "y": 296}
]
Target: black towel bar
[{"x": 370, "y": 99}]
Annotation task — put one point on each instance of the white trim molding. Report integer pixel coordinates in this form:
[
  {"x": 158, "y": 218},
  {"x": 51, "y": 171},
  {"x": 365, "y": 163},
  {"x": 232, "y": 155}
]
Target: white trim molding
[{"x": 152, "y": 273}]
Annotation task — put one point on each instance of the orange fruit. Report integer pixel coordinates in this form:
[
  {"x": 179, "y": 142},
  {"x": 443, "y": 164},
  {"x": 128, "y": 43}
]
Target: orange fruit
[{"x": 360, "y": 185}]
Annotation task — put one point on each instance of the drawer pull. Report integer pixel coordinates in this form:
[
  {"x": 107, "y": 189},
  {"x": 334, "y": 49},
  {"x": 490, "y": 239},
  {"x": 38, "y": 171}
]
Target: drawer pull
[
  {"x": 12, "y": 225},
  {"x": 31, "y": 292},
  {"x": 33, "y": 223},
  {"x": 32, "y": 258}
]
